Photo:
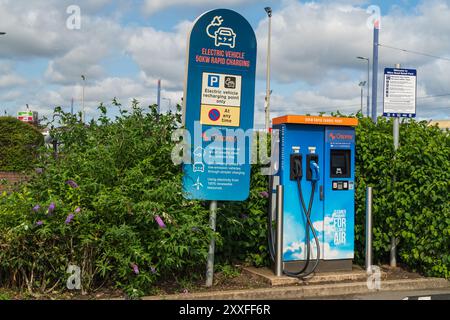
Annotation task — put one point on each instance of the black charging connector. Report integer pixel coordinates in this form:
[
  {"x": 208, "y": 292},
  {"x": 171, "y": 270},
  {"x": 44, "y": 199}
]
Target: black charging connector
[
  {"x": 296, "y": 166},
  {"x": 309, "y": 158}
]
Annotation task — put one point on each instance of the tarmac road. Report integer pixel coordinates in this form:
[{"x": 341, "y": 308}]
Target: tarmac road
[{"x": 434, "y": 294}]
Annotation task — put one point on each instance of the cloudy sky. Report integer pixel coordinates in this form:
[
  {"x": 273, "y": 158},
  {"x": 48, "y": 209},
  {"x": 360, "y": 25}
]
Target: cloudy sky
[{"x": 124, "y": 46}]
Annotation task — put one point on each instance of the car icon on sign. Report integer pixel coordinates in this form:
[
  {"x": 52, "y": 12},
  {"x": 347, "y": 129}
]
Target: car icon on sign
[
  {"x": 225, "y": 37},
  {"x": 199, "y": 167}
]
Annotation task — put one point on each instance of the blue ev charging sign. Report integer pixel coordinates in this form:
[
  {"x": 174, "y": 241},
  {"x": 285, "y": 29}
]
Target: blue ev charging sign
[{"x": 219, "y": 98}]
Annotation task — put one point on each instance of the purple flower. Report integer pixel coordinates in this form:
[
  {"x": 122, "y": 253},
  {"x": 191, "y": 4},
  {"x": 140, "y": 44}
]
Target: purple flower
[
  {"x": 153, "y": 270},
  {"x": 264, "y": 194},
  {"x": 39, "y": 223},
  {"x": 51, "y": 208},
  {"x": 70, "y": 218},
  {"x": 39, "y": 170},
  {"x": 36, "y": 208},
  {"x": 160, "y": 222},
  {"x": 135, "y": 268},
  {"x": 244, "y": 216},
  {"x": 72, "y": 183},
  {"x": 78, "y": 210}
]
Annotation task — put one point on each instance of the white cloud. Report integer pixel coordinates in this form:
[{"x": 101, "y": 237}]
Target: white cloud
[
  {"x": 312, "y": 41},
  {"x": 11, "y": 80},
  {"x": 314, "y": 47},
  {"x": 153, "y": 6},
  {"x": 314, "y": 68},
  {"x": 336, "y": 253},
  {"x": 309, "y": 40},
  {"x": 161, "y": 55},
  {"x": 297, "y": 251},
  {"x": 32, "y": 31},
  {"x": 318, "y": 226}
]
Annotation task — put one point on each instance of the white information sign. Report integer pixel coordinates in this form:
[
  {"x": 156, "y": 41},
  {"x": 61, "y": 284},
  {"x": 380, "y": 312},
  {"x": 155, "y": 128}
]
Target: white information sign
[{"x": 400, "y": 87}]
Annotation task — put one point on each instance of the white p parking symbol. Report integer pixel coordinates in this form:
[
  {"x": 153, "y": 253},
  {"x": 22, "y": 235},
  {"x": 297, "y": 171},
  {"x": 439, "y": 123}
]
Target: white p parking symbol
[{"x": 213, "y": 81}]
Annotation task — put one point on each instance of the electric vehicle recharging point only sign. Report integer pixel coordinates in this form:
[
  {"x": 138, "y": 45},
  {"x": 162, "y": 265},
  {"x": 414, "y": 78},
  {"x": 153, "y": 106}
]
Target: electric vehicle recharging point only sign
[{"x": 219, "y": 99}]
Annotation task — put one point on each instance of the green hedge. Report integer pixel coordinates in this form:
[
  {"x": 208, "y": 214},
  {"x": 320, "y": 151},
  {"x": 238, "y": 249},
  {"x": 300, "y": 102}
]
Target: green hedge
[
  {"x": 415, "y": 206},
  {"x": 106, "y": 223},
  {"x": 97, "y": 206},
  {"x": 19, "y": 142}
]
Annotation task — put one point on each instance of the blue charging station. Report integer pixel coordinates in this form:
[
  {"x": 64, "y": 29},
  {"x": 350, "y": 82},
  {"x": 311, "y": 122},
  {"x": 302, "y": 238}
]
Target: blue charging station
[{"x": 317, "y": 171}]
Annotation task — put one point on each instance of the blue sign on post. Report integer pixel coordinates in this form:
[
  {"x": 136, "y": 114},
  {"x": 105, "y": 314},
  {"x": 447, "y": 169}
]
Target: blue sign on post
[{"x": 219, "y": 106}]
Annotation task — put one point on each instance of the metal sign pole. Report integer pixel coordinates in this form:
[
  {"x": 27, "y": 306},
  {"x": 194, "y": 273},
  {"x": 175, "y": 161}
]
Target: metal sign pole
[
  {"x": 212, "y": 245},
  {"x": 279, "y": 235},
  {"x": 396, "y": 134},
  {"x": 369, "y": 202}
]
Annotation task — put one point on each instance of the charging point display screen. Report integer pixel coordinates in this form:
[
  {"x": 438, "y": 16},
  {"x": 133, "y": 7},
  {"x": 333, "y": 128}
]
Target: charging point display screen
[{"x": 340, "y": 163}]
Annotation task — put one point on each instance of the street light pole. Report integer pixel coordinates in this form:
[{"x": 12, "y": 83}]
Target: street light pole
[
  {"x": 368, "y": 83},
  {"x": 376, "y": 38},
  {"x": 158, "y": 97},
  {"x": 362, "y": 84},
  {"x": 268, "y": 92},
  {"x": 170, "y": 103},
  {"x": 83, "y": 114}
]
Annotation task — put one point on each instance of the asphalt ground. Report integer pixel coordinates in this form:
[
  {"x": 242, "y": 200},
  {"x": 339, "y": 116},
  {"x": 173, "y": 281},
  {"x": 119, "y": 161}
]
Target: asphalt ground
[{"x": 434, "y": 294}]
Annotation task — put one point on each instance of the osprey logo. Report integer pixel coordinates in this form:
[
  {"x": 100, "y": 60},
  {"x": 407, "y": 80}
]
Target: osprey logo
[{"x": 339, "y": 136}]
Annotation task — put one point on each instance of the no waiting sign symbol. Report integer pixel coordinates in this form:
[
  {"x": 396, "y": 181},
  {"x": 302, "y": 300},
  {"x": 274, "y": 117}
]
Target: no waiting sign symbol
[{"x": 214, "y": 114}]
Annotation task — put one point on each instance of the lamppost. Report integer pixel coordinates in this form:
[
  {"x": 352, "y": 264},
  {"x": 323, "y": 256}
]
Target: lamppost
[
  {"x": 368, "y": 83},
  {"x": 83, "y": 114},
  {"x": 170, "y": 103},
  {"x": 268, "y": 92},
  {"x": 362, "y": 84}
]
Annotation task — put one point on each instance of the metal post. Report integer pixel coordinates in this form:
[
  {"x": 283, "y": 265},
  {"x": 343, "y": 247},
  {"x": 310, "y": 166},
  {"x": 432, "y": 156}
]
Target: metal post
[
  {"x": 376, "y": 31},
  {"x": 362, "y": 95},
  {"x": 212, "y": 245},
  {"x": 158, "y": 100},
  {"x": 368, "y": 83},
  {"x": 279, "y": 235},
  {"x": 368, "y": 87},
  {"x": 393, "y": 249},
  {"x": 268, "y": 92},
  {"x": 396, "y": 134},
  {"x": 83, "y": 113},
  {"x": 369, "y": 205}
]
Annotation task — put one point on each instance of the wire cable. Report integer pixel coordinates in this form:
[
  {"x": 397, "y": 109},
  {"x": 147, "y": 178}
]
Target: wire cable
[
  {"x": 309, "y": 225},
  {"x": 414, "y": 52}
]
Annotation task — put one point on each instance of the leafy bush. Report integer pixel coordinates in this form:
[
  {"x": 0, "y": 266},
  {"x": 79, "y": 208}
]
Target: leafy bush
[
  {"x": 19, "y": 143},
  {"x": 414, "y": 207},
  {"x": 111, "y": 186},
  {"x": 243, "y": 225},
  {"x": 104, "y": 200}
]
